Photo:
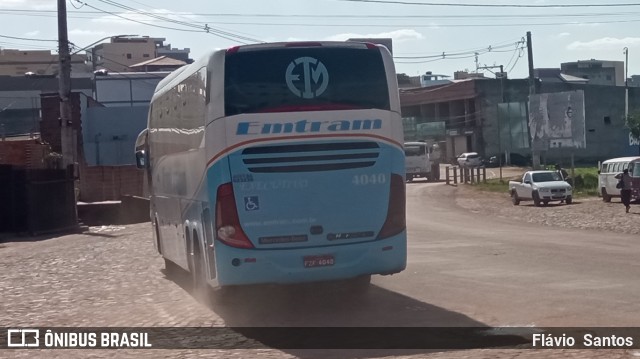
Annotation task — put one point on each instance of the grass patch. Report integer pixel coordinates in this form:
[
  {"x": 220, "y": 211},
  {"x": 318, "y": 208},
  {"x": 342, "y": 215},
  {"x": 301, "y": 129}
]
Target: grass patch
[{"x": 494, "y": 185}]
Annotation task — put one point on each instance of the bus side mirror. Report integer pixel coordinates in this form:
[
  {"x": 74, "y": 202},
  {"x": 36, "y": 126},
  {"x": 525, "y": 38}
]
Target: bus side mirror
[{"x": 141, "y": 159}]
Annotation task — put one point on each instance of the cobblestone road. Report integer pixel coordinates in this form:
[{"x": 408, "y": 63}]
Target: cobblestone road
[{"x": 111, "y": 276}]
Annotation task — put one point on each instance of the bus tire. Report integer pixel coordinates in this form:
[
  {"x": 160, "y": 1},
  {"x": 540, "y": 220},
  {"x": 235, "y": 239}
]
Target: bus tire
[
  {"x": 568, "y": 200},
  {"x": 605, "y": 197},
  {"x": 158, "y": 240},
  {"x": 200, "y": 287}
]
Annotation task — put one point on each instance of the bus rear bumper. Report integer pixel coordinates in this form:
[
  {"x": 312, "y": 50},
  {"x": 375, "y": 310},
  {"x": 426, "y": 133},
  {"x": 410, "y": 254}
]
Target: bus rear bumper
[{"x": 286, "y": 266}]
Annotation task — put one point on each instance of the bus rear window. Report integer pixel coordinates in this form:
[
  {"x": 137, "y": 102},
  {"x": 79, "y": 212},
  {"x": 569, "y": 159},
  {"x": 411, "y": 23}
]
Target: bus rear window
[{"x": 304, "y": 79}]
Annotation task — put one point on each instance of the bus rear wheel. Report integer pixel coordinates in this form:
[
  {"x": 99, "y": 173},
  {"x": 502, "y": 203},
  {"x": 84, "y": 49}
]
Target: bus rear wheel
[
  {"x": 200, "y": 287},
  {"x": 605, "y": 196}
]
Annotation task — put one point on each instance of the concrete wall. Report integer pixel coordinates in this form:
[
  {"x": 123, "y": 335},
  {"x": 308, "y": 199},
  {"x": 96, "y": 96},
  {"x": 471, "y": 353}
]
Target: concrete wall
[{"x": 109, "y": 134}]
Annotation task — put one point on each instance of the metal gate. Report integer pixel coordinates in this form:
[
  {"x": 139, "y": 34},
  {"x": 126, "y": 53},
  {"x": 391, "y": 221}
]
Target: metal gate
[{"x": 37, "y": 200}]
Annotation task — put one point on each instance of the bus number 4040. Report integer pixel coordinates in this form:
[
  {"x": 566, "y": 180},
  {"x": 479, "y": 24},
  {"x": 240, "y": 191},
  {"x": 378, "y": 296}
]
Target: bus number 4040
[{"x": 368, "y": 179}]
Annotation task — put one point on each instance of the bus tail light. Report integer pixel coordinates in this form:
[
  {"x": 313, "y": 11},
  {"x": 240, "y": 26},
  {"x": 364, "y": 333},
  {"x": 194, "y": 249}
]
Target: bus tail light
[
  {"x": 228, "y": 229},
  {"x": 395, "y": 222}
]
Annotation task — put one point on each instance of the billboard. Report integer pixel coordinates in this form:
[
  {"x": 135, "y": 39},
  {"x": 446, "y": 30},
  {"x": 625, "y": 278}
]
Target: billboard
[
  {"x": 557, "y": 120},
  {"x": 431, "y": 129}
]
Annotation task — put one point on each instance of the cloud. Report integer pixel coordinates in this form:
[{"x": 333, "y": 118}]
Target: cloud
[
  {"x": 32, "y": 33},
  {"x": 79, "y": 32},
  {"x": 562, "y": 34},
  {"x": 28, "y": 4},
  {"x": 605, "y": 43},
  {"x": 397, "y": 36}
]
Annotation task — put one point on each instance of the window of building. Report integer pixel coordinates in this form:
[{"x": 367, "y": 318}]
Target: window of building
[
  {"x": 145, "y": 55},
  {"x": 608, "y": 77},
  {"x": 128, "y": 56},
  {"x": 607, "y": 120}
]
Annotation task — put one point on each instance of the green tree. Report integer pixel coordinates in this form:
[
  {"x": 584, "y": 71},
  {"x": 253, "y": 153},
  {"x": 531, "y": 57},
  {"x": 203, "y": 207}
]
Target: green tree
[{"x": 633, "y": 123}]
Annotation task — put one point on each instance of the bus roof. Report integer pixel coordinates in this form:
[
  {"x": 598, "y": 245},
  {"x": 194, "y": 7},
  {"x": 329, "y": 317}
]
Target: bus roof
[
  {"x": 273, "y": 45},
  {"x": 622, "y": 159}
]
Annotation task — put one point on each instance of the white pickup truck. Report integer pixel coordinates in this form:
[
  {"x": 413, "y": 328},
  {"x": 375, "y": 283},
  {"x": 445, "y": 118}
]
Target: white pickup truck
[{"x": 542, "y": 187}]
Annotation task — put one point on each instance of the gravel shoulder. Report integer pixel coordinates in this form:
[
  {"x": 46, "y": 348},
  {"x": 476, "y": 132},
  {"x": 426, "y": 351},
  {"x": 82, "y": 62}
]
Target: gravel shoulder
[{"x": 586, "y": 213}]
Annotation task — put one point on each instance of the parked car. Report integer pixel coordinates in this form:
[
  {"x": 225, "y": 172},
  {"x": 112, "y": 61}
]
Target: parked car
[
  {"x": 491, "y": 162},
  {"x": 469, "y": 159},
  {"x": 541, "y": 187},
  {"x": 515, "y": 159}
]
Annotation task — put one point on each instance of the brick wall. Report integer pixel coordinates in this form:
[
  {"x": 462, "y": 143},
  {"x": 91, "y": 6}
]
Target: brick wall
[
  {"x": 106, "y": 183},
  {"x": 28, "y": 153}
]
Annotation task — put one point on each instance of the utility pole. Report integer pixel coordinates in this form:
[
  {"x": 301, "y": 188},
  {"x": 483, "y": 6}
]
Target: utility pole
[
  {"x": 67, "y": 138},
  {"x": 535, "y": 154},
  {"x": 626, "y": 83}
]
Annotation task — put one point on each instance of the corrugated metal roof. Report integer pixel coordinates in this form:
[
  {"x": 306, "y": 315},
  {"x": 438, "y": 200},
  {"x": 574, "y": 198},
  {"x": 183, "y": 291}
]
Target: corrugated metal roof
[{"x": 161, "y": 61}]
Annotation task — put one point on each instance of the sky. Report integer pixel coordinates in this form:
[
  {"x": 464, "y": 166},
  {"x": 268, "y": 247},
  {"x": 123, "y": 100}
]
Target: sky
[{"x": 441, "y": 36}]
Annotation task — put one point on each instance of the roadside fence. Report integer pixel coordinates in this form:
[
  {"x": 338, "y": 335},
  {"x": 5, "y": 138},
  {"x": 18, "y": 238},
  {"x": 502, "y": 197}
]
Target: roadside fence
[{"x": 467, "y": 175}]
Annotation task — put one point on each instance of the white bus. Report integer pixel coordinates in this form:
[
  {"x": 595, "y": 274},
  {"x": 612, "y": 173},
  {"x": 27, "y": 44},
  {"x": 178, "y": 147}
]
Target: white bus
[{"x": 279, "y": 163}]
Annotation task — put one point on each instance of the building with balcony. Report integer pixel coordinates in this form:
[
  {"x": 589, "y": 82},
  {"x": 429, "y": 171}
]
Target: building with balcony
[
  {"x": 598, "y": 72},
  {"x": 122, "y": 52}
]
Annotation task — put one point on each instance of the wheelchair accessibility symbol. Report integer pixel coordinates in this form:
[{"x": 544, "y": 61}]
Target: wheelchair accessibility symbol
[{"x": 251, "y": 203}]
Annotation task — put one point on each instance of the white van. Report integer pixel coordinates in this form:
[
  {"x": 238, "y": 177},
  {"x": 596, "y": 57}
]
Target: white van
[
  {"x": 606, "y": 175},
  {"x": 417, "y": 160}
]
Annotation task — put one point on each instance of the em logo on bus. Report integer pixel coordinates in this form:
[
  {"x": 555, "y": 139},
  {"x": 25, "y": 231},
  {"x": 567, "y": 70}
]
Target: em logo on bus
[{"x": 311, "y": 70}]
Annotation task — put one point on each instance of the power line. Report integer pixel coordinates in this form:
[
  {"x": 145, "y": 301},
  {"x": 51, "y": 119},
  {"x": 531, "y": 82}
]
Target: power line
[
  {"x": 396, "y": 2},
  {"x": 350, "y": 16},
  {"x": 25, "y": 39},
  {"x": 433, "y": 25},
  {"x": 206, "y": 28},
  {"x": 490, "y": 48},
  {"x": 136, "y": 21}
]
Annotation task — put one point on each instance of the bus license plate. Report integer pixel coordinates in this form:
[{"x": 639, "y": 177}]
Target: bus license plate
[{"x": 318, "y": 261}]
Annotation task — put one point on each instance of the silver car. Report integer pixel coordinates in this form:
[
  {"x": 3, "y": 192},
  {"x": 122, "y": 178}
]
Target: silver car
[{"x": 469, "y": 159}]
